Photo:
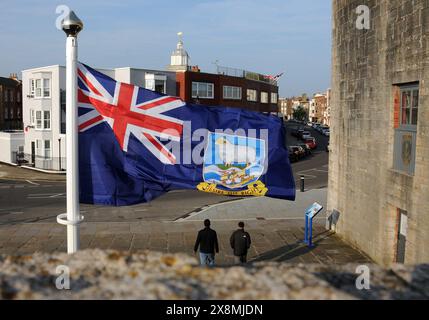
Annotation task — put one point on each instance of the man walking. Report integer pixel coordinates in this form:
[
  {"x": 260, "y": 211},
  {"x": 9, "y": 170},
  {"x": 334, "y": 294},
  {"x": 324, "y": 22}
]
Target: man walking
[
  {"x": 207, "y": 241},
  {"x": 240, "y": 242}
]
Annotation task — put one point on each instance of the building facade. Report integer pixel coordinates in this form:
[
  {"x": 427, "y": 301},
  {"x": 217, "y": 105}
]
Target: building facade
[
  {"x": 379, "y": 163},
  {"x": 317, "y": 108},
  {"x": 44, "y": 106},
  {"x": 10, "y": 103},
  {"x": 225, "y": 90}
]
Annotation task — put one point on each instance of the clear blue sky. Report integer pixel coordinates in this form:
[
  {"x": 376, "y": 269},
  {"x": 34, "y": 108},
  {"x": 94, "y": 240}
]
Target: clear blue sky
[{"x": 269, "y": 36}]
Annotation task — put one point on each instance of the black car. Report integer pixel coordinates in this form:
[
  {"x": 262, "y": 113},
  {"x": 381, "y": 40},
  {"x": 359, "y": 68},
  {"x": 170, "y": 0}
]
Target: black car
[{"x": 294, "y": 154}]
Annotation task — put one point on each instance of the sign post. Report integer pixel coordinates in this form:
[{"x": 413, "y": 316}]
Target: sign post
[
  {"x": 72, "y": 25},
  {"x": 310, "y": 214}
]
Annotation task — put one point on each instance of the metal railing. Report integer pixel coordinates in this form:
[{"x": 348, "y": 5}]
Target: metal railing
[
  {"x": 241, "y": 73},
  {"x": 40, "y": 162}
]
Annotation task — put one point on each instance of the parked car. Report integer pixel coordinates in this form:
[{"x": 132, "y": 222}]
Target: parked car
[
  {"x": 306, "y": 148},
  {"x": 294, "y": 154},
  {"x": 326, "y": 133},
  {"x": 327, "y": 147},
  {"x": 305, "y": 134},
  {"x": 311, "y": 143}
]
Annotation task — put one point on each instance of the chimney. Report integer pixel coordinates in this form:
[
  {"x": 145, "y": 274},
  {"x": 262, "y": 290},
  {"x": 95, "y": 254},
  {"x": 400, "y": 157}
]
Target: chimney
[{"x": 14, "y": 76}]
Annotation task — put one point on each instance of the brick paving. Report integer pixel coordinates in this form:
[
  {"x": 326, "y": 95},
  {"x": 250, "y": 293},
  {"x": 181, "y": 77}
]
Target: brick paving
[{"x": 272, "y": 240}]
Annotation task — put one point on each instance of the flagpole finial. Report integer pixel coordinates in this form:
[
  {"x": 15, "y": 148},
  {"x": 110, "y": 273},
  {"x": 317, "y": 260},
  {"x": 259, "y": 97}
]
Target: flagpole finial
[{"x": 71, "y": 24}]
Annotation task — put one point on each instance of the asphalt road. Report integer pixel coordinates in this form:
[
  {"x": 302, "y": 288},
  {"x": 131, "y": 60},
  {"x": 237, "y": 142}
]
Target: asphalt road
[{"x": 25, "y": 201}]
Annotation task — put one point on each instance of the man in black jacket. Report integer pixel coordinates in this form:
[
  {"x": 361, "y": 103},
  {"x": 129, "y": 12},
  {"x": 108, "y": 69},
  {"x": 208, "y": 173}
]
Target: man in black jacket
[
  {"x": 207, "y": 241},
  {"x": 240, "y": 242}
]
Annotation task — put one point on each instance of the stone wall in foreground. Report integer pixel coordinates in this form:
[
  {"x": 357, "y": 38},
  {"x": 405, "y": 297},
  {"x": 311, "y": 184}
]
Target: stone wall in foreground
[{"x": 97, "y": 274}]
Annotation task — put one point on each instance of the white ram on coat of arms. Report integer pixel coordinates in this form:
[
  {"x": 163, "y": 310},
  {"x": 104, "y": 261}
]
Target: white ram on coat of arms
[{"x": 233, "y": 162}]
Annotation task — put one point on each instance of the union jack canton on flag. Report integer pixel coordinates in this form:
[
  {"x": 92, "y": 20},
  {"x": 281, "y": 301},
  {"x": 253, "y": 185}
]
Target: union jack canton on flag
[{"x": 136, "y": 144}]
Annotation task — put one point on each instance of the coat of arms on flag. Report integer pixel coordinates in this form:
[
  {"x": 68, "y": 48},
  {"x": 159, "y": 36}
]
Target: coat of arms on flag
[{"x": 233, "y": 165}]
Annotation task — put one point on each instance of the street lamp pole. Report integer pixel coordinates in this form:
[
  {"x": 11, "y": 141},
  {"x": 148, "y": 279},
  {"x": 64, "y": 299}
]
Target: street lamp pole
[{"x": 72, "y": 25}]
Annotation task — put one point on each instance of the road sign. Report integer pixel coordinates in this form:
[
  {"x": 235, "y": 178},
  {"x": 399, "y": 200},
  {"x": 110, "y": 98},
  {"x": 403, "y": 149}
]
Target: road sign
[{"x": 313, "y": 210}]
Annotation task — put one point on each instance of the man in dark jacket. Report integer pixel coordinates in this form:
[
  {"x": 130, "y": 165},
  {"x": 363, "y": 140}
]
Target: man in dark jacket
[
  {"x": 207, "y": 241},
  {"x": 240, "y": 242}
]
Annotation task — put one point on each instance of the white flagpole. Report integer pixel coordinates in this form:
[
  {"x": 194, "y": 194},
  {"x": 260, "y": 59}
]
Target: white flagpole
[{"x": 72, "y": 25}]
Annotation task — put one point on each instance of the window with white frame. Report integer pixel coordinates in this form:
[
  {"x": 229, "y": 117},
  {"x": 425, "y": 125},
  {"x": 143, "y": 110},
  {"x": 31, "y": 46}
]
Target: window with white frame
[
  {"x": 264, "y": 97},
  {"x": 252, "y": 95},
  {"x": 46, "y": 88},
  {"x": 47, "y": 149},
  {"x": 40, "y": 88},
  {"x": 230, "y": 92},
  {"x": 203, "y": 90},
  {"x": 38, "y": 119},
  {"x": 32, "y": 118},
  {"x": 32, "y": 87},
  {"x": 46, "y": 120},
  {"x": 273, "y": 97},
  {"x": 39, "y": 148}
]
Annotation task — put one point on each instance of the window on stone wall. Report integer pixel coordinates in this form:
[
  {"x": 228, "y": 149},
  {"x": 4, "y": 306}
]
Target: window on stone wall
[{"x": 406, "y": 119}]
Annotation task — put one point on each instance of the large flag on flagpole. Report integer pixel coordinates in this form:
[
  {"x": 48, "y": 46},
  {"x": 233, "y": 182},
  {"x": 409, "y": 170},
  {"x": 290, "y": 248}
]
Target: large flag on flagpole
[{"x": 136, "y": 144}]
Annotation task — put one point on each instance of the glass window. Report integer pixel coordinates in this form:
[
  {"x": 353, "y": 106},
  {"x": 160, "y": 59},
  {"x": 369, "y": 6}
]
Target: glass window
[
  {"x": 39, "y": 148},
  {"x": 38, "y": 88},
  {"x": 252, "y": 95},
  {"x": 46, "y": 88},
  {"x": 6, "y": 113},
  {"x": 264, "y": 97},
  {"x": 32, "y": 87},
  {"x": 10, "y": 95},
  {"x": 160, "y": 86},
  {"x": 47, "y": 150},
  {"x": 230, "y": 92},
  {"x": 32, "y": 122},
  {"x": 6, "y": 96},
  {"x": 11, "y": 113},
  {"x": 409, "y": 106},
  {"x": 18, "y": 113},
  {"x": 202, "y": 90},
  {"x": 273, "y": 97},
  {"x": 38, "y": 119},
  {"x": 18, "y": 97},
  {"x": 46, "y": 120}
]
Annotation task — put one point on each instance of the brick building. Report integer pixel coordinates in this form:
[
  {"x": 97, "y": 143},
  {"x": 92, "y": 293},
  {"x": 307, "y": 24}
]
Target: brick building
[
  {"x": 379, "y": 163},
  {"x": 10, "y": 103},
  {"x": 232, "y": 91},
  {"x": 318, "y": 105}
]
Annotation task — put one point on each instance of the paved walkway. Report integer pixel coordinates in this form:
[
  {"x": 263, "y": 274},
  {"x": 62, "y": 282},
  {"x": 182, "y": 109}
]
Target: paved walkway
[{"x": 276, "y": 228}]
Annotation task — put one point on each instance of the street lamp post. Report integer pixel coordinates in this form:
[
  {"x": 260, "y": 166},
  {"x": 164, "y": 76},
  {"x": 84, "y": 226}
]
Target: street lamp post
[{"x": 72, "y": 25}]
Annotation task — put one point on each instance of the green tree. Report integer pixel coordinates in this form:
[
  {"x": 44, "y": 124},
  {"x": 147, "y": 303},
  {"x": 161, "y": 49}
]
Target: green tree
[{"x": 300, "y": 114}]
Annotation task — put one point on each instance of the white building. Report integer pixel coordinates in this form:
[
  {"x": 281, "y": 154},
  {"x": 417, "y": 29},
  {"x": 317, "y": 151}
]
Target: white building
[
  {"x": 11, "y": 144},
  {"x": 43, "y": 108}
]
